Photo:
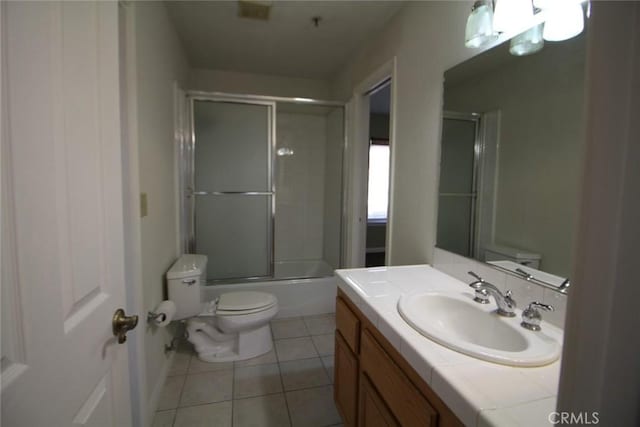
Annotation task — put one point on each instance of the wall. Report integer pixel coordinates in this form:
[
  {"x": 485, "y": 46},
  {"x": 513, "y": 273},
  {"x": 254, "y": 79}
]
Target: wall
[
  {"x": 426, "y": 38},
  {"x": 159, "y": 61},
  {"x": 524, "y": 292},
  {"x": 257, "y": 84},
  {"x": 602, "y": 341},
  {"x": 540, "y": 98}
]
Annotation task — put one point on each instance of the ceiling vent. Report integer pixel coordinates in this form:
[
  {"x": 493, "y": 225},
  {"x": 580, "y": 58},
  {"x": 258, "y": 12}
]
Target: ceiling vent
[{"x": 254, "y": 9}]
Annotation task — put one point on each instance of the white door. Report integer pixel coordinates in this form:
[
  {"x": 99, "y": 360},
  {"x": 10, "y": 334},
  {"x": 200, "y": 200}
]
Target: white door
[{"x": 62, "y": 220}]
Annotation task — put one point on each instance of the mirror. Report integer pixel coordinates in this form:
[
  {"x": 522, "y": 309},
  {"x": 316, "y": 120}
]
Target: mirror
[{"x": 512, "y": 153}]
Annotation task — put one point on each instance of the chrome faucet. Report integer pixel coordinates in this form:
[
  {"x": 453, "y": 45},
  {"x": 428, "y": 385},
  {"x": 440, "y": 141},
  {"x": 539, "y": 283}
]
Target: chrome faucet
[
  {"x": 482, "y": 296},
  {"x": 531, "y": 317},
  {"x": 506, "y": 304}
]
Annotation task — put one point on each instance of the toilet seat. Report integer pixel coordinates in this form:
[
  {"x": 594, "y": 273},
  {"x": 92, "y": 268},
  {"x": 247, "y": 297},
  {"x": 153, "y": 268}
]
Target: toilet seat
[{"x": 241, "y": 303}]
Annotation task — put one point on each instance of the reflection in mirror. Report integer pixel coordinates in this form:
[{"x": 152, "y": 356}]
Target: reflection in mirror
[{"x": 512, "y": 149}]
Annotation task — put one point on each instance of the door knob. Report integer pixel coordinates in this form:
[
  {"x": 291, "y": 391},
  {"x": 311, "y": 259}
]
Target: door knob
[{"x": 122, "y": 324}]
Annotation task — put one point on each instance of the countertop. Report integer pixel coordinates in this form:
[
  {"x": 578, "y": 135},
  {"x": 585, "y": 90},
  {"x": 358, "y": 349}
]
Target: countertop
[{"x": 480, "y": 393}]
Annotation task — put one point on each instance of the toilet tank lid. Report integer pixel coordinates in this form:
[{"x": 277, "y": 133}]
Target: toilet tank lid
[
  {"x": 511, "y": 252},
  {"x": 188, "y": 265}
]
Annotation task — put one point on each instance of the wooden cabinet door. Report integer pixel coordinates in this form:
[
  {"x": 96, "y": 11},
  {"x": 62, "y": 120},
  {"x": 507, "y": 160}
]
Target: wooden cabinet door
[
  {"x": 373, "y": 411},
  {"x": 346, "y": 381},
  {"x": 396, "y": 390}
]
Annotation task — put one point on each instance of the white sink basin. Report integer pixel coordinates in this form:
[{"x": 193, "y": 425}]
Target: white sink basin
[{"x": 454, "y": 320}]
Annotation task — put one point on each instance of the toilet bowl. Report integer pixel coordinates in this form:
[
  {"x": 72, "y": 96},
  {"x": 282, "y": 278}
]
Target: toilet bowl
[{"x": 234, "y": 326}]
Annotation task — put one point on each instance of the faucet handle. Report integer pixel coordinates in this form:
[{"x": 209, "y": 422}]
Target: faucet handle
[
  {"x": 509, "y": 300},
  {"x": 475, "y": 276},
  {"x": 536, "y": 304},
  {"x": 531, "y": 316}
]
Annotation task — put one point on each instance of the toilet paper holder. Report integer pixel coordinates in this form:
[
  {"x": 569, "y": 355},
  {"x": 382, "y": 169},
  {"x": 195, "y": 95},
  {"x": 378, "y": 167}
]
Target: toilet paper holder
[{"x": 152, "y": 316}]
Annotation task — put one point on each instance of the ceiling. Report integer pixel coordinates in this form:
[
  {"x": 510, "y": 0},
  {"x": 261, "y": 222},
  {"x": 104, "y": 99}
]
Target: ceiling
[{"x": 288, "y": 44}]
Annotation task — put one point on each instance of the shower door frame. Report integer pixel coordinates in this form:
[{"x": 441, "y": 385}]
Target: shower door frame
[
  {"x": 189, "y": 192},
  {"x": 478, "y": 152},
  {"x": 186, "y": 170}
]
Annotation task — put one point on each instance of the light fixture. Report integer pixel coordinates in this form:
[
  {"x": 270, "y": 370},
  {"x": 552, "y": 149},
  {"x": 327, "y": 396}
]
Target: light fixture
[
  {"x": 512, "y": 15},
  {"x": 564, "y": 21},
  {"x": 529, "y": 42},
  {"x": 479, "y": 30}
]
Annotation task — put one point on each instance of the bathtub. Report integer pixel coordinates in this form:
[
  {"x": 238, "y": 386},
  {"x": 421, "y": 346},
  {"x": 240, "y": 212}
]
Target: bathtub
[{"x": 296, "y": 297}]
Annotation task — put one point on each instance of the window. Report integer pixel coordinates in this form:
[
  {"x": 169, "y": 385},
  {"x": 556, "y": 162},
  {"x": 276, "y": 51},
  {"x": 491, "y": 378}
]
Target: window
[{"x": 378, "y": 194}]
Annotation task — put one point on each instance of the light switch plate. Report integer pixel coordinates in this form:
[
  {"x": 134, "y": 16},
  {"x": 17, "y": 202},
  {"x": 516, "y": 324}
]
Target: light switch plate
[{"x": 143, "y": 205}]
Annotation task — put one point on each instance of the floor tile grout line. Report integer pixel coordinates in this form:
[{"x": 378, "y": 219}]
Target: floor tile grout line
[
  {"x": 283, "y": 392},
  {"x": 303, "y": 388},
  {"x": 184, "y": 383},
  {"x": 233, "y": 387},
  {"x": 316, "y": 347},
  {"x": 260, "y": 395},
  {"x": 204, "y": 404},
  {"x": 284, "y": 395},
  {"x": 247, "y": 397},
  {"x": 303, "y": 358},
  {"x": 309, "y": 388},
  {"x": 175, "y": 417},
  {"x": 266, "y": 394}
]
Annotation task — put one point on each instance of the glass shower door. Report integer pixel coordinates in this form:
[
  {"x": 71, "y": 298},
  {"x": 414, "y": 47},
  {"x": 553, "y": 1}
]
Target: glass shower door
[
  {"x": 232, "y": 188},
  {"x": 457, "y": 198}
]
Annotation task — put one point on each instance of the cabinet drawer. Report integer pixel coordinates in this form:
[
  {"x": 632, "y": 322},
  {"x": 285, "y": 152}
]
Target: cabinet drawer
[
  {"x": 348, "y": 324},
  {"x": 404, "y": 400}
]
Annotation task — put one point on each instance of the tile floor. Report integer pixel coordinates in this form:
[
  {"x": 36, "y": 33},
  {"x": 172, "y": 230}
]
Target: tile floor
[{"x": 290, "y": 386}]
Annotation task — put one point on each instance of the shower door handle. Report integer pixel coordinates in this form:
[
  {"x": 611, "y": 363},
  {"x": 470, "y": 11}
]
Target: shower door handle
[{"x": 232, "y": 193}]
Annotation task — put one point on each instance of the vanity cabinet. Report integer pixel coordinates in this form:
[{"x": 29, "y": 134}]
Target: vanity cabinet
[
  {"x": 374, "y": 385},
  {"x": 373, "y": 410},
  {"x": 346, "y": 391}
]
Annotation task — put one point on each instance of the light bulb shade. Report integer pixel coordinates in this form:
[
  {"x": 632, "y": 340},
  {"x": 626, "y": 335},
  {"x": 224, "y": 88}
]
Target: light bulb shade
[
  {"x": 512, "y": 15},
  {"x": 529, "y": 42},
  {"x": 564, "y": 21},
  {"x": 479, "y": 30},
  {"x": 546, "y": 4}
]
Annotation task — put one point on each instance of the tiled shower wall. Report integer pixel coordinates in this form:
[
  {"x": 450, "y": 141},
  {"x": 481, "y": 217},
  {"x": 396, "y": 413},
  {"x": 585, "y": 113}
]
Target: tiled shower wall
[{"x": 524, "y": 292}]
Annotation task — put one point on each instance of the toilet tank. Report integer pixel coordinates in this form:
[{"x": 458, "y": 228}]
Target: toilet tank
[
  {"x": 184, "y": 279},
  {"x": 500, "y": 253}
]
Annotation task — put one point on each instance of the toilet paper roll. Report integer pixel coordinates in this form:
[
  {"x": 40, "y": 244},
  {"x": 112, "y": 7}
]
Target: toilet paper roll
[{"x": 164, "y": 313}]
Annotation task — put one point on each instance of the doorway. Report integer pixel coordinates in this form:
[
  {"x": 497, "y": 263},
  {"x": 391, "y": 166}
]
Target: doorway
[{"x": 378, "y": 174}]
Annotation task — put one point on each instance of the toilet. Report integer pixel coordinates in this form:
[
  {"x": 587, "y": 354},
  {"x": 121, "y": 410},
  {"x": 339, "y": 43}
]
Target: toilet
[
  {"x": 234, "y": 326},
  {"x": 507, "y": 253}
]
